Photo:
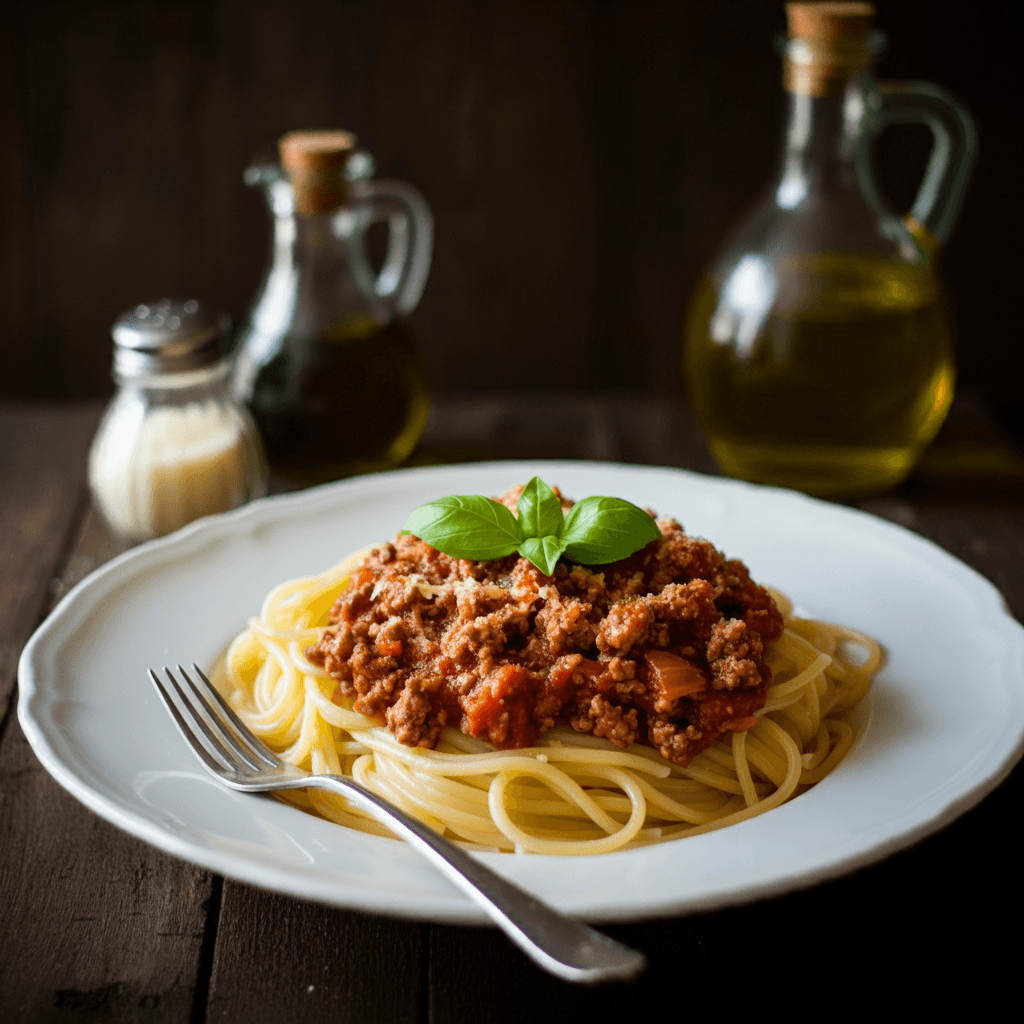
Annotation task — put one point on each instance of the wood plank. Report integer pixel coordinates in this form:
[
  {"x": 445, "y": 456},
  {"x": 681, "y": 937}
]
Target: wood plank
[
  {"x": 533, "y": 425},
  {"x": 660, "y": 432},
  {"x": 477, "y": 976},
  {"x": 99, "y": 925},
  {"x": 505, "y": 93},
  {"x": 279, "y": 959},
  {"x": 584, "y": 161},
  {"x": 18, "y": 260},
  {"x": 520, "y": 426},
  {"x": 42, "y": 466},
  {"x": 687, "y": 108},
  {"x": 942, "y": 899},
  {"x": 967, "y": 496}
]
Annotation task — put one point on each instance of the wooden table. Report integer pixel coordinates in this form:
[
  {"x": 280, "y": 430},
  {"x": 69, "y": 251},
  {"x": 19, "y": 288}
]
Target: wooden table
[{"x": 99, "y": 926}]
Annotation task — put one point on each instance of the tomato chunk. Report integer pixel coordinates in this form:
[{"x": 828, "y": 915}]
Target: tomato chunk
[
  {"x": 498, "y": 708},
  {"x": 674, "y": 676}
]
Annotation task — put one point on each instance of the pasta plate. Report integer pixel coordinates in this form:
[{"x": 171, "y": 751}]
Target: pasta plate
[{"x": 922, "y": 757}]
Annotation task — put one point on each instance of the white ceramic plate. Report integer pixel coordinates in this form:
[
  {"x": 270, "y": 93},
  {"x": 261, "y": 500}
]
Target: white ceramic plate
[{"x": 929, "y": 753}]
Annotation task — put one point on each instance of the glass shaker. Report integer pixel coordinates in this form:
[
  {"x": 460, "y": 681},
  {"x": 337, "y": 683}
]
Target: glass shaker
[
  {"x": 173, "y": 445},
  {"x": 818, "y": 349},
  {"x": 333, "y": 377}
]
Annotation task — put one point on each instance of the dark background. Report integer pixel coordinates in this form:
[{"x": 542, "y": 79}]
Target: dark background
[{"x": 583, "y": 159}]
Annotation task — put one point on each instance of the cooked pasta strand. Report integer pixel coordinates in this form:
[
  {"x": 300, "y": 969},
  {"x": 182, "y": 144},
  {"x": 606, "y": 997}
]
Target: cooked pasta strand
[{"x": 571, "y": 794}]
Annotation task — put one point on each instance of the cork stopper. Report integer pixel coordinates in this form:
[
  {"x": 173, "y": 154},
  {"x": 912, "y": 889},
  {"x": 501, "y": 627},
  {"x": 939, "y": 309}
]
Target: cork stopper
[
  {"x": 828, "y": 45},
  {"x": 315, "y": 162}
]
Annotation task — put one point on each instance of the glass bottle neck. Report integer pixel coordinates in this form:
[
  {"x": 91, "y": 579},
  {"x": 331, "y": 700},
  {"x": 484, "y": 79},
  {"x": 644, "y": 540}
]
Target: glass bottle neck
[
  {"x": 313, "y": 233},
  {"x": 320, "y": 275},
  {"x": 823, "y": 141}
]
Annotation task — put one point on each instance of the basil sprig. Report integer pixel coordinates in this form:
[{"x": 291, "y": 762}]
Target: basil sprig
[{"x": 596, "y": 531}]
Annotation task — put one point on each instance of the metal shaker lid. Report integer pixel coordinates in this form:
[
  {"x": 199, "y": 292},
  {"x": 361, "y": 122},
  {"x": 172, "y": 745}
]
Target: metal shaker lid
[{"x": 169, "y": 336}]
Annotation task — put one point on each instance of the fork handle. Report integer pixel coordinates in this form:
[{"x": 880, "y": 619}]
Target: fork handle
[{"x": 560, "y": 944}]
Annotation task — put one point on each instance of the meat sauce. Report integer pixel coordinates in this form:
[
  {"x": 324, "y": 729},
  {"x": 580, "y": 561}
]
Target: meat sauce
[{"x": 665, "y": 647}]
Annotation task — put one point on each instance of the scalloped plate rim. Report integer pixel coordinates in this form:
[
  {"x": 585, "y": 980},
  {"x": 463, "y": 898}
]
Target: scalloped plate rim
[{"x": 441, "y": 902}]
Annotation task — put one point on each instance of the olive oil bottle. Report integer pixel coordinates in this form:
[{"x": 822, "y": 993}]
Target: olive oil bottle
[
  {"x": 365, "y": 400},
  {"x": 818, "y": 350},
  {"x": 333, "y": 377},
  {"x": 835, "y": 396}
]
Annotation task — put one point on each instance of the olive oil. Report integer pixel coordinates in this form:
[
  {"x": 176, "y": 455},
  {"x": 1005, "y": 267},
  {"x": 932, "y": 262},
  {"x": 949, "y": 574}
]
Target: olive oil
[
  {"x": 817, "y": 352},
  {"x": 334, "y": 380},
  {"x": 353, "y": 401},
  {"x": 836, "y": 387}
]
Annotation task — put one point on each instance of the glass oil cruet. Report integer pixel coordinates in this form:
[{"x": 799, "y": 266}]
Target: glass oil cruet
[
  {"x": 818, "y": 351},
  {"x": 334, "y": 379}
]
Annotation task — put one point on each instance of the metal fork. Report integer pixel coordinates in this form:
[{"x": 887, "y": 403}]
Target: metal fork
[{"x": 559, "y": 944}]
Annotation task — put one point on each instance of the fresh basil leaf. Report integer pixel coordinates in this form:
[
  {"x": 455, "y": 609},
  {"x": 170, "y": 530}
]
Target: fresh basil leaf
[
  {"x": 596, "y": 531},
  {"x": 544, "y": 552},
  {"x": 600, "y": 530},
  {"x": 540, "y": 512},
  {"x": 467, "y": 526}
]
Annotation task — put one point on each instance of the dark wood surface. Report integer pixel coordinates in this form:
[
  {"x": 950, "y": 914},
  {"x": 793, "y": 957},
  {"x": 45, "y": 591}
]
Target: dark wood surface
[
  {"x": 584, "y": 160},
  {"x": 98, "y": 926}
]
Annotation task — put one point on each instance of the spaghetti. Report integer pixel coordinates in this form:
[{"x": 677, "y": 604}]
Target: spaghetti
[{"x": 570, "y": 792}]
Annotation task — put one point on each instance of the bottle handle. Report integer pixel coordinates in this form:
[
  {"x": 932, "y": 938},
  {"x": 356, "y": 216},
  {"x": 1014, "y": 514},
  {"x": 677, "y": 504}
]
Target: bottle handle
[
  {"x": 410, "y": 240},
  {"x": 955, "y": 145}
]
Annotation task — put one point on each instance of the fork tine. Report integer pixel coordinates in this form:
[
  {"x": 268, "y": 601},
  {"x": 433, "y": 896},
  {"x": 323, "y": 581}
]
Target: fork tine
[
  {"x": 216, "y": 732},
  {"x": 242, "y": 740},
  {"x": 186, "y": 730},
  {"x": 563, "y": 946}
]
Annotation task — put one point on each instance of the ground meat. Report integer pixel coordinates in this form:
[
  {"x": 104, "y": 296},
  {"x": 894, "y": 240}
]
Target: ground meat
[{"x": 665, "y": 647}]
